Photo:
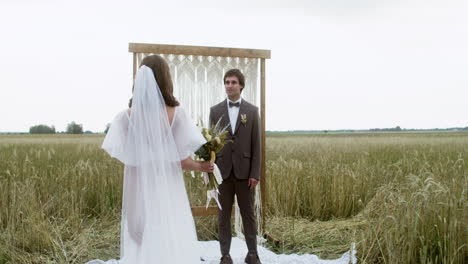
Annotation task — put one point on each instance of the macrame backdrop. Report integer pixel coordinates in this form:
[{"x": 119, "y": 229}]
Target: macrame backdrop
[{"x": 198, "y": 85}]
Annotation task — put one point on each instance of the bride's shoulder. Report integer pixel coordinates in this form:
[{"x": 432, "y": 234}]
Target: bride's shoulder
[
  {"x": 123, "y": 114},
  {"x": 179, "y": 109},
  {"x": 181, "y": 114}
]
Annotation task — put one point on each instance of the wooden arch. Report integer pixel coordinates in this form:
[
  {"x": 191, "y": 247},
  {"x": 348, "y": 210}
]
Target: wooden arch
[{"x": 140, "y": 50}]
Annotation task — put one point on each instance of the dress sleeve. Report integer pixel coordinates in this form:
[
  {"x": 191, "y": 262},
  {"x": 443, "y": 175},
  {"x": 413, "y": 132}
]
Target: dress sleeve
[
  {"x": 187, "y": 135},
  {"x": 114, "y": 141}
]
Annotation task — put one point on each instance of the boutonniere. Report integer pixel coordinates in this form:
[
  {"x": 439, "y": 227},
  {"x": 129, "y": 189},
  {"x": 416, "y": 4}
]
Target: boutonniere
[{"x": 244, "y": 119}]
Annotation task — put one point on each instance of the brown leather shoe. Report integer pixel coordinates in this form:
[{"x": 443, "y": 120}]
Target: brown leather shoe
[
  {"x": 252, "y": 258},
  {"x": 226, "y": 259}
]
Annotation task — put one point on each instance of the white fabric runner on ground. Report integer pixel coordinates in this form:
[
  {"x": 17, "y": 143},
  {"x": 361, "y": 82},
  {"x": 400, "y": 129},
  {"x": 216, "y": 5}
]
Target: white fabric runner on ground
[{"x": 211, "y": 255}]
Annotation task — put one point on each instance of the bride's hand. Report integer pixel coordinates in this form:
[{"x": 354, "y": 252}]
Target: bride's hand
[
  {"x": 189, "y": 164},
  {"x": 206, "y": 166}
]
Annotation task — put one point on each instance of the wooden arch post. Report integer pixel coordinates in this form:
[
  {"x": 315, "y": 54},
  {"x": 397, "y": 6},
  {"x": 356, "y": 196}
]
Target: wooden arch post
[{"x": 146, "y": 49}]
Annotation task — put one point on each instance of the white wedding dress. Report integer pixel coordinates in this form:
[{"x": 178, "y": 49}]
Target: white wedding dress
[{"x": 157, "y": 224}]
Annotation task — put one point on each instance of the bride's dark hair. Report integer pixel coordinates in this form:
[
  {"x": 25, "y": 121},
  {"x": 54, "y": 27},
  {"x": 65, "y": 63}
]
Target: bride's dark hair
[{"x": 162, "y": 75}]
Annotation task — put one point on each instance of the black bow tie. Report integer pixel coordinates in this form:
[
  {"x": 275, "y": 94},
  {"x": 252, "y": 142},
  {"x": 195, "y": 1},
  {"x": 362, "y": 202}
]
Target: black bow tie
[{"x": 231, "y": 104}]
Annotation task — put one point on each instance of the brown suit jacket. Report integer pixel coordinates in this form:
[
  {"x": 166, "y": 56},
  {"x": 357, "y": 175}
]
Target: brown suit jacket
[{"x": 244, "y": 154}]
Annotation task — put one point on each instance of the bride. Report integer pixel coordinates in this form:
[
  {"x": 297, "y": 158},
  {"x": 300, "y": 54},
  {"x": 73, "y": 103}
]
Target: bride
[{"x": 155, "y": 138}]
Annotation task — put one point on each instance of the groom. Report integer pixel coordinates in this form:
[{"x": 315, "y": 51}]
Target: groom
[{"x": 239, "y": 163}]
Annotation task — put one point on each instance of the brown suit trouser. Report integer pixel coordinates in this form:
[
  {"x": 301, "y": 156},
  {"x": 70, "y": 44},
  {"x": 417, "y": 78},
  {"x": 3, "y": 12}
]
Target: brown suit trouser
[{"x": 245, "y": 199}]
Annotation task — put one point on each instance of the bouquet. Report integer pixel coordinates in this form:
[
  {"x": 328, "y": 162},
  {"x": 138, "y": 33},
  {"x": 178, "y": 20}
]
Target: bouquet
[{"x": 216, "y": 139}]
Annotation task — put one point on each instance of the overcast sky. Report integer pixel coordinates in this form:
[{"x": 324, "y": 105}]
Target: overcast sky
[{"x": 336, "y": 64}]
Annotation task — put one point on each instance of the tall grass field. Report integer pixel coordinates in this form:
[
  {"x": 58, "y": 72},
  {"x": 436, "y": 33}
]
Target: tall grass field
[{"x": 401, "y": 197}]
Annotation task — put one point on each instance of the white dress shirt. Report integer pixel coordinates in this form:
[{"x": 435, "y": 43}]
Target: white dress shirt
[{"x": 233, "y": 113}]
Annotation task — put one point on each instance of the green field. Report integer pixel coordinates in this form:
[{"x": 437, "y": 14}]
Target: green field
[{"x": 402, "y": 197}]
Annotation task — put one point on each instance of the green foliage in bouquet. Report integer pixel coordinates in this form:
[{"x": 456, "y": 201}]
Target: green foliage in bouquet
[{"x": 216, "y": 140}]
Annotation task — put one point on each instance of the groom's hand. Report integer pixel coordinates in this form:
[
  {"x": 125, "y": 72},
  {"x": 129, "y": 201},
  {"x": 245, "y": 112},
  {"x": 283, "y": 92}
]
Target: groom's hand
[{"x": 252, "y": 183}]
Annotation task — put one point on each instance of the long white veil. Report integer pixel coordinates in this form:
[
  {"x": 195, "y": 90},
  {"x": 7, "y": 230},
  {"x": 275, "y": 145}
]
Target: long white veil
[
  {"x": 148, "y": 136},
  {"x": 157, "y": 224}
]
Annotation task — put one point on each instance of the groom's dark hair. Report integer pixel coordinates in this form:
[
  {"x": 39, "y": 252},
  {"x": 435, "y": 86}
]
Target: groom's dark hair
[
  {"x": 237, "y": 73},
  {"x": 162, "y": 75}
]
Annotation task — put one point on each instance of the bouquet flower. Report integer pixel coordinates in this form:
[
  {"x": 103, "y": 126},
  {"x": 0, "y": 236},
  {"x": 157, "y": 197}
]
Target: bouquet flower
[{"x": 216, "y": 139}]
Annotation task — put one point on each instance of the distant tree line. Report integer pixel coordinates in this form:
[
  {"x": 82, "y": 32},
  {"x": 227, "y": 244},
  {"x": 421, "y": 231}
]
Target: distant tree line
[
  {"x": 393, "y": 129},
  {"x": 397, "y": 128},
  {"x": 42, "y": 129},
  {"x": 72, "y": 128}
]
